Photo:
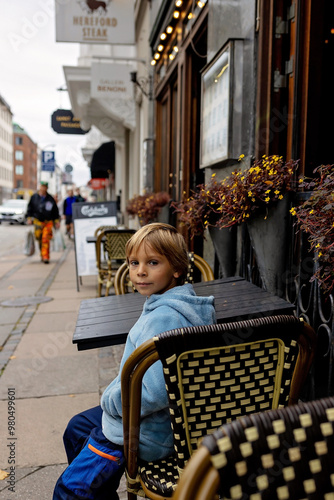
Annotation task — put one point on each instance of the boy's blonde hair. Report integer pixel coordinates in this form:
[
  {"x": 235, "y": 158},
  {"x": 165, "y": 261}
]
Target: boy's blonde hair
[{"x": 165, "y": 240}]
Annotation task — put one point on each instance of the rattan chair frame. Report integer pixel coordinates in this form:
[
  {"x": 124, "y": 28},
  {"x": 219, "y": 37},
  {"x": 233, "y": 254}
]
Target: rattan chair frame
[
  {"x": 209, "y": 469},
  {"x": 145, "y": 355},
  {"x": 122, "y": 283}
]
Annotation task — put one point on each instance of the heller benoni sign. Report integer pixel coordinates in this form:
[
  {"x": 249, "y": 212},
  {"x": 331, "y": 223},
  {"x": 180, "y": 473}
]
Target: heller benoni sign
[
  {"x": 111, "y": 81},
  {"x": 93, "y": 21}
]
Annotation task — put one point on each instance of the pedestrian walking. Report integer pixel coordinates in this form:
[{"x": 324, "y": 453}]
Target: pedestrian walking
[
  {"x": 43, "y": 213},
  {"x": 67, "y": 212},
  {"x": 78, "y": 196}
]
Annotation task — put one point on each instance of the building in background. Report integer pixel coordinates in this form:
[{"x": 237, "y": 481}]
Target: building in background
[
  {"x": 25, "y": 163},
  {"x": 6, "y": 151}
]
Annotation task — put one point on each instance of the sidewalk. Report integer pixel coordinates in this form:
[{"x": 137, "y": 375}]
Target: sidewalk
[{"x": 41, "y": 370}]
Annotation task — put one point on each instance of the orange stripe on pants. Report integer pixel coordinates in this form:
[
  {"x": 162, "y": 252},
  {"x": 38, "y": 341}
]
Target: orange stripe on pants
[{"x": 43, "y": 234}]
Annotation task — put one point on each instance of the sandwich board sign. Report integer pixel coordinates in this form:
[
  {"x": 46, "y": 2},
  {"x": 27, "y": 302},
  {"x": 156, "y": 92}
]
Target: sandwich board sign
[{"x": 87, "y": 217}]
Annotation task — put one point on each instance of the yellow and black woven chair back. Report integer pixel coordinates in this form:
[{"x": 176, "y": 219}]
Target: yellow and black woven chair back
[
  {"x": 110, "y": 253},
  {"x": 217, "y": 373},
  {"x": 280, "y": 454}
]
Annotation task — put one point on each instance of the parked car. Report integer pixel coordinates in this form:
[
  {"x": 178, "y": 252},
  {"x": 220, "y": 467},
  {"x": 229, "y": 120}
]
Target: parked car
[{"x": 14, "y": 211}]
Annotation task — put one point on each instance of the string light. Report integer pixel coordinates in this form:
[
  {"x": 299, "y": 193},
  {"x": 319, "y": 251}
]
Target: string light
[{"x": 169, "y": 29}]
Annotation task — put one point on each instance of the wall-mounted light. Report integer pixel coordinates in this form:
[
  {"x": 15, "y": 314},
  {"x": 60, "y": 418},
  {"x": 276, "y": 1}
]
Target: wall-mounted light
[
  {"x": 200, "y": 4},
  {"x": 163, "y": 36},
  {"x": 178, "y": 3},
  {"x": 153, "y": 62},
  {"x": 176, "y": 48},
  {"x": 169, "y": 29},
  {"x": 171, "y": 57},
  {"x": 176, "y": 14},
  {"x": 160, "y": 48},
  {"x": 156, "y": 55}
]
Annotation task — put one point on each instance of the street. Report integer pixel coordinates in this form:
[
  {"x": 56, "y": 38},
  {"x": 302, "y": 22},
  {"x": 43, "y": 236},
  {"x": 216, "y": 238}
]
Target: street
[{"x": 12, "y": 238}]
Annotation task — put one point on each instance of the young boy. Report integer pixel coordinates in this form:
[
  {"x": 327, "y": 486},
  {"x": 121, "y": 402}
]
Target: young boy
[{"x": 158, "y": 264}]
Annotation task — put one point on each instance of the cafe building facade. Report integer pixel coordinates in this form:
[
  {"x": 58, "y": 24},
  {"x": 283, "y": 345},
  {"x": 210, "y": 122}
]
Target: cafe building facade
[{"x": 252, "y": 78}]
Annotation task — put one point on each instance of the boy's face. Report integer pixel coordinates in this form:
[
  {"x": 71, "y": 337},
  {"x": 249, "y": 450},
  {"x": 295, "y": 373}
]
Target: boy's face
[{"x": 151, "y": 272}]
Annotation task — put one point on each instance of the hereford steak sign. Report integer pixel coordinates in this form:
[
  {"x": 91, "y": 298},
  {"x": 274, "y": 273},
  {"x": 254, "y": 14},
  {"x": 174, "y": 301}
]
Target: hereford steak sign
[{"x": 93, "y": 21}]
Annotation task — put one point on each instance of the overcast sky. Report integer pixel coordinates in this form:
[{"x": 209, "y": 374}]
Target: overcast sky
[{"x": 31, "y": 70}]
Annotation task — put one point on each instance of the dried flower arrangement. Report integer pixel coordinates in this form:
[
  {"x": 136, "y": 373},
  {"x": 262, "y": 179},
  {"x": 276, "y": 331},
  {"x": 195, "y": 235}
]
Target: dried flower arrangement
[
  {"x": 241, "y": 195},
  {"x": 316, "y": 217},
  {"x": 147, "y": 206}
]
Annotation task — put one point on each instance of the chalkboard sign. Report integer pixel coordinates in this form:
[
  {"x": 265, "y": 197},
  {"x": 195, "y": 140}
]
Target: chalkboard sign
[{"x": 87, "y": 217}]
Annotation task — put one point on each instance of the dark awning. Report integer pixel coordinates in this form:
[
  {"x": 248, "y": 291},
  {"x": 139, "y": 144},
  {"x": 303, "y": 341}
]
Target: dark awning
[{"x": 103, "y": 161}]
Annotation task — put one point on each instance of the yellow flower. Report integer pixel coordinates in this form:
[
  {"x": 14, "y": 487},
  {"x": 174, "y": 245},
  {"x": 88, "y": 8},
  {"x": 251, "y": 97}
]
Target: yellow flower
[
  {"x": 267, "y": 199},
  {"x": 241, "y": 157},
  {"x": 213, "y": 175},
  {"x": 311, "y": 211},
  {"x": 293, "y": 211},
  {"x": 280, "y": 197},
  {"x": 277, "y": 191}
]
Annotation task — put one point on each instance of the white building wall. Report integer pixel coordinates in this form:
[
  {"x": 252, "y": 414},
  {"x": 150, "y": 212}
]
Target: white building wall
[{"x": 6, "y": 151}]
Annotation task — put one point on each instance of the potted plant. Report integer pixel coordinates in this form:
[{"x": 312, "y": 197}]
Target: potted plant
[
  {"x": 316, "y": 217},
  {"x": 252, "y": 195},
  {"x": 147, "y": 206}
]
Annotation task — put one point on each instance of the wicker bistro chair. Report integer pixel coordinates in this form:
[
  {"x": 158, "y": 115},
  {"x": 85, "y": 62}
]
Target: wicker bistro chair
[
  {"x": 99, "y": 229},
  {"x": 280, "y": 454},
  {"x": 123, "y": 284},
  {"x": 110, "y": 250},
  {"x": 214, "y": 374}
]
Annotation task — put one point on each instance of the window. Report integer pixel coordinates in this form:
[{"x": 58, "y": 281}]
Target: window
[
  {"x": 18, "y": 155},
  {"x": 19, "y": 184},
  {"x": 19, "y": 169},
  {"x": 18, "y": 141}
]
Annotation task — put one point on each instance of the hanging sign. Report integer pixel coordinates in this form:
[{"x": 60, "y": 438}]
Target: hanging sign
[
  {"x": 63, "y": 122},
  {"x": 97, "y": 183},
  {"x": 94, "y": 21},
  {"x": 111, "y": 81}
]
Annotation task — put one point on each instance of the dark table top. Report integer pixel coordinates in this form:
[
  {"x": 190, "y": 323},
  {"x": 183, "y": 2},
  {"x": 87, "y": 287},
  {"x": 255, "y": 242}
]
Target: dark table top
[{"x": 106, "y": 321}]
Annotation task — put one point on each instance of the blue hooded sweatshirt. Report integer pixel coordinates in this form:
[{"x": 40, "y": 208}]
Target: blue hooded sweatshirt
[{"x": 176, "y": 308}]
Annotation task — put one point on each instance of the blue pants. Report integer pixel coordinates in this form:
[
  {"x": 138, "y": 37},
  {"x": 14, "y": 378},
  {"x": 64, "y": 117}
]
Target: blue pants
[{"x": 95, "y": 464}]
